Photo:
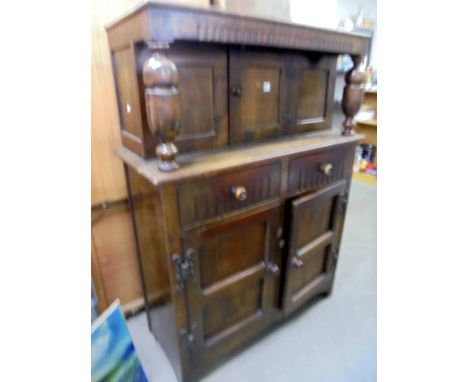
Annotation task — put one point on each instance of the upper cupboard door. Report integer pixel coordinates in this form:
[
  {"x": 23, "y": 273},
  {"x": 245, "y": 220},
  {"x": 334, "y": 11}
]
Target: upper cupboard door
[
  {"x": 257, "y": 95},
  {"x": 203, "y": 89},
  {"x": 312, "y": 92}
]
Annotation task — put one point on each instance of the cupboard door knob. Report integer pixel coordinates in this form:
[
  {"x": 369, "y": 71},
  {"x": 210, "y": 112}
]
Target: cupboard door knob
[
  {"x": 273, "y": 269},
  {"x": 296, "y": 262},
  {"x": 281, "y": 243},
  {"x": 239, "y": 192},
  {"x": 236, "y": 91},
  {"x": 327, "y": 168}
]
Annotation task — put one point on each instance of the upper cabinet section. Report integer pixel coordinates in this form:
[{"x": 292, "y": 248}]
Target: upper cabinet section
[{"x": 209, "y": 84}]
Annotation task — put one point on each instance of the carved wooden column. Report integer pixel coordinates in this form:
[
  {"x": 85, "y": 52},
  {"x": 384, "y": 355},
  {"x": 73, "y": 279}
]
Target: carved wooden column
[
  {"x": 353, "y": 94},
  {"x": 163, "y": 107}
]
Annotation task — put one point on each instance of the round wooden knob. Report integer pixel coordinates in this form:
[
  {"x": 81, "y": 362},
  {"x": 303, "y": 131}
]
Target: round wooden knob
[
  {"x": 327, "y": 168},
  {"x": 296, "y": 262},
  {"x": 240, "y": 193}
]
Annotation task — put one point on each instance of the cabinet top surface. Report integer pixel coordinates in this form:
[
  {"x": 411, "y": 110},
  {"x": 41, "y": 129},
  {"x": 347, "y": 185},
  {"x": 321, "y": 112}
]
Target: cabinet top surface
[
  {"x": 228, "y": 13},
  {"x": 211, "y": 24},
  {"x": 201, "y": 164}
]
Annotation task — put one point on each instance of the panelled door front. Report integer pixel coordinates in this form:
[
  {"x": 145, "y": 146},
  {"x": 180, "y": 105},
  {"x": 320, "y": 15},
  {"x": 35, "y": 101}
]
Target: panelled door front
[
  {"x": 257, "y": 99},
  {"x": 313, "y": 243},
  {"x": 202, "y": 85},
  {"x": 312, "y": 88},
  {"x": 235, "y": 291}
]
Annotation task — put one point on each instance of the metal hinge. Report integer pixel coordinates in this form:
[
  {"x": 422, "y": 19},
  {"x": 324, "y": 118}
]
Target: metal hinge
[
  {"x": 188, "y": 338},
  {"x": 344, "y": 202},
  {"x": 334, "y": 254},
  {"x": 185, "y": 268}
]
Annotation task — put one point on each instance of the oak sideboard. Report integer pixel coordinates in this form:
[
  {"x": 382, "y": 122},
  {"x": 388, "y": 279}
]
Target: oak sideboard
[{"x": 237, "y": 183}]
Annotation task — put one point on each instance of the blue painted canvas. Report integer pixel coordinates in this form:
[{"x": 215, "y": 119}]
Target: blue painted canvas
[{"x": 113, "y": 356}]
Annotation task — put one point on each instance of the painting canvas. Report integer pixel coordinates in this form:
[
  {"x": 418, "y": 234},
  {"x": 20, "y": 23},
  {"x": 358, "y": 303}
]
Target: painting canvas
[{"x": 113, "y": 356}]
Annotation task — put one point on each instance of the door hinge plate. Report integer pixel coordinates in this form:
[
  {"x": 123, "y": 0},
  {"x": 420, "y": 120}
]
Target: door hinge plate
[
  {"x": 187, "y": 336},
  {"x": 334, "y": 254},
  {"x": 185, "y": 268},
  {"x": 344, "y": 202}
]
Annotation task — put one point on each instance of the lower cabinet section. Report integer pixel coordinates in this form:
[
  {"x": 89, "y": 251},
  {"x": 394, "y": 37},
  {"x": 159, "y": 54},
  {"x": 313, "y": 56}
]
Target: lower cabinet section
[
  {"x": 231, "y": 277},
  {"x": 243, "y": 275}
]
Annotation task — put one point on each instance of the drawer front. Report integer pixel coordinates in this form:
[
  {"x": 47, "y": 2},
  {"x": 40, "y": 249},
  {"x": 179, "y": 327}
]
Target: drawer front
[
  {"x": 320, "y": 169},
  {"x": 209, "y": 198}
]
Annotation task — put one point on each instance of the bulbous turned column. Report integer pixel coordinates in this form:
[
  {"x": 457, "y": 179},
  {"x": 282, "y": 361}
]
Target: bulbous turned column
[
  {"x": 353, "y": 94},
  {"x": 162, "y": 100}
]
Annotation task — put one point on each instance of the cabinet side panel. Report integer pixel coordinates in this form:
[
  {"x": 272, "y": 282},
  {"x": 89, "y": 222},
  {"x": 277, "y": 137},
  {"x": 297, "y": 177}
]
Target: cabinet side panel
[
  {"x": 154, "y": 265},
  {"x": 123, "y": 63}
]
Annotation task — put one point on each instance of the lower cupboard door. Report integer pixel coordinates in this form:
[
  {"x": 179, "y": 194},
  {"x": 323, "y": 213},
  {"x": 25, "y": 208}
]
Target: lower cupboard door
[
  {"x": 315, "y": 221},
  {"x": 234, "y": 294}
]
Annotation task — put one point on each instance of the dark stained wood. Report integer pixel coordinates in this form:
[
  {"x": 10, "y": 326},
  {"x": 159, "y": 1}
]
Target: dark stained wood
[
  {"x": 248, "y": 227},
  {"x": 317, "y": 170},
  {"x": 160, "y": 301},
  {"x": 231, "y": 246},
  {"x": 130, "y": 111},
  {"x": 275, "y": 94},
  {"x": 169, "y": 22},
  {"x": 315, "y": 221},
  {"x": 353, "y": 95},
  {"x": 234, "y": 294},
  {"x": 298, "y": 91},
  {"x": 256, "y": 95},
  {"x": 311, "y": 92},
  {"x": 162, "y": 99},
  {"x": 199, "y": 165},
  {"x": 199, "y": 201},
  {"x": 202, "y": 85}
]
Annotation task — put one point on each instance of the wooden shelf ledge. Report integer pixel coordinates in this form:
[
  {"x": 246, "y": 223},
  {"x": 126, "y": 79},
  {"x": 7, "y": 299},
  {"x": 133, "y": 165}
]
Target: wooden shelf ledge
[{"x": 200, "y": 164}]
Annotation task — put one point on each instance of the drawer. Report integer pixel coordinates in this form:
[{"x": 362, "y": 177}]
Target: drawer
[
  {"x": 320, "y": 169},
  {"x": 208, "y": 198}
]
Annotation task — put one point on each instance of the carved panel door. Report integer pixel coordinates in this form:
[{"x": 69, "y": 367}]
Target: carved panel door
[
  {"x": 235, "y": 293},
  {"x": 202, "y": 86},
  {"x": 313, "y": 243},
  {"x": 257, "y": 95},
  {"x": 312, "y": 83}
]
